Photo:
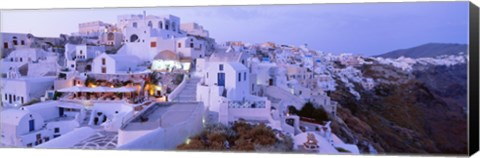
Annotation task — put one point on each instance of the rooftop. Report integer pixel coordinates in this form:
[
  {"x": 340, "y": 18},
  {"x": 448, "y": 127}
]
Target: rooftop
[{"x": 165, "y": 115}]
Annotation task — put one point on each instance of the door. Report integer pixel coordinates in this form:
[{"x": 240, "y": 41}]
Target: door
[
  {"x": 5, "y": 45},
  {"x": 221, "y": 79},
  {"x": 270, "y": 82},
  {"x": 31, "y": 126},
  {"x": 61, "y": 111}
]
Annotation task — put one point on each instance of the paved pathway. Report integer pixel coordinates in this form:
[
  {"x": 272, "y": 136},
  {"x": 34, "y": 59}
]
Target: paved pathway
[{"x": 101, "y": 140}]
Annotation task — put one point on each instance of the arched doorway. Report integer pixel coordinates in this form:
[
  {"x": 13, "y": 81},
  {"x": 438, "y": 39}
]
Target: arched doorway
[
  {"x": 110, "y": 36},
  {"x": 133, "y": 38}
]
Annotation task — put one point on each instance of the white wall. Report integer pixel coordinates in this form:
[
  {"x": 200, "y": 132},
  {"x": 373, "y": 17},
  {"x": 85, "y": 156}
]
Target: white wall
[{"x": 110, "y": 64}]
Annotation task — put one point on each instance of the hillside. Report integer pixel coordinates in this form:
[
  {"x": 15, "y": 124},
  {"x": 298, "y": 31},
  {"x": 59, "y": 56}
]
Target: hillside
[
  {"x": 427, "y": 50},
  {"x": 422, "y": 111}
]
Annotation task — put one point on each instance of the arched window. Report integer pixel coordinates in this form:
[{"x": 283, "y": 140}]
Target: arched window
[
  {"x": 150, "y": 24},
  {"x": 160, "y": 25},
  {"x": 134, "y": 25},
  {"x": 15, "y": 42},
  {"x": 133, "y": 38}
]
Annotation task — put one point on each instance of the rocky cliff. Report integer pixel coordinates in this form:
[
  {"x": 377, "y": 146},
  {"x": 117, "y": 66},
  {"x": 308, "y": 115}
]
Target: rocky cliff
[{"x": 421, "y": 111}]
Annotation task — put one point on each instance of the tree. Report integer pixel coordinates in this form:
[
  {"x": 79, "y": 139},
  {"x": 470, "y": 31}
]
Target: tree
[
  {"x": 309, "y": 111},
  {"x": 292, "y": 110}
]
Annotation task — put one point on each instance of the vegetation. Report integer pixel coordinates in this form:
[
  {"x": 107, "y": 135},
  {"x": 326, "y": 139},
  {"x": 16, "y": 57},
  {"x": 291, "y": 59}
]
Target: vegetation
[
  {"x": 309, "y": 111},
  {"x": 241, "y": 136},
  {"x": 339, "y": 149},
  {"x": 56, "y": 95}
]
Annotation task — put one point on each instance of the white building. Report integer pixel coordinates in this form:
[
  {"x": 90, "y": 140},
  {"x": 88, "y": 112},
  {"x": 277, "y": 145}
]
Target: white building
[
  {"x": 15, "y": 40},
  {"x": 224, "y": 89},
  {"x": 23, "y": 56},
  {"x": 20, "y": 128},
  {"x": 146, "y": 36},
  {"x": 80, "y": 53},
  {"x": 167, "y": 61},
  {"x": 39, "y": 123},
  {"x": 21, "y": 90},
  {"x": 116, "y": 64},
  {"x": 194, "y": 29}
]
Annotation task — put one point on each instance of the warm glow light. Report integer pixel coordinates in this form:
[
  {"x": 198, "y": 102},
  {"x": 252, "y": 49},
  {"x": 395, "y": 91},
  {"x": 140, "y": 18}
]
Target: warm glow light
[{"x": 187, "y": 141}]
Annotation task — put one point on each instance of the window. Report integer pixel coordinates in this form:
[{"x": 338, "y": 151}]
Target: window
[
  {"x": 22, "y": 42},
  {"x": 21, "y": 98},
  {"x": 104, "y": 61},
  {"x": 57, "y": 130},
  {"x": 191, "y": 45},
  {"x": 104, "y": 70},
  {"x": 244, "y": 76},
  {"x": 134, "y": 25},
  {"x": 160, "y": 25},
  {"x": 239, "y": 77},
  {"x": 166, "y": 25},
  {"x": 15, "y": 42},
  {"x": 81, "y": 52},
  {"x": 220, "y": 67},
  {"x": 5, "y": 44},
  {"x": 153, "y": 44},
  {"x": 31, "y": 126},
  {"x": 174, "y": 27},
  {"x": 21, "y": 59},
  {"x": 7, "y": 97},
  {"x": 150, "y": 24},
  {"x": 179, "y": 45}
]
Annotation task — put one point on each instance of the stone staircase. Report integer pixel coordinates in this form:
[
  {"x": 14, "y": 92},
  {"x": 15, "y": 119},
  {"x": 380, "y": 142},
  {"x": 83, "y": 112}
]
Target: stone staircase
[{"x": 189, "y": 92}]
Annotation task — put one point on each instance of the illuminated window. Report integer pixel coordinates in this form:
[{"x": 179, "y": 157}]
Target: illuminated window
[{"x": 153, "y": 44}]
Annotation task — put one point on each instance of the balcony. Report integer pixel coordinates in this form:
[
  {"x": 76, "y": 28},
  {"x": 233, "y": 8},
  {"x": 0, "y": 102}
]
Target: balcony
[{"x": 246, "y": 104}]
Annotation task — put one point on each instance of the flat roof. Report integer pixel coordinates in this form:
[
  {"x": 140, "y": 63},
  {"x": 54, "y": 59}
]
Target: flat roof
[{"x": 165, "y": 115}]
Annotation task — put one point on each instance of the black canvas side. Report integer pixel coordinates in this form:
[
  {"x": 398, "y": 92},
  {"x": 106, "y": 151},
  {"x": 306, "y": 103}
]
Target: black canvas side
[{"x": 473, "y": 80}]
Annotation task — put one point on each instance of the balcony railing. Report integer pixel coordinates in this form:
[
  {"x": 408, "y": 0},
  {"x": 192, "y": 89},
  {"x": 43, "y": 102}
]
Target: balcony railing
[{"x": 246, "y": 104}]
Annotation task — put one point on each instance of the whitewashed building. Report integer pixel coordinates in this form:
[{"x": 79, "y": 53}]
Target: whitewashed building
[{"x": 116, "y": 64}]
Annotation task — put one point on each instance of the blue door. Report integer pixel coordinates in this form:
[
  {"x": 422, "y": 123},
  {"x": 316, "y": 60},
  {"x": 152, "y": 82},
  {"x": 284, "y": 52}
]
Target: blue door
[
  {"x": 221, "y": 79},
  {"x": 61, "y": 111},
  {"x": 31, "y": 124}
]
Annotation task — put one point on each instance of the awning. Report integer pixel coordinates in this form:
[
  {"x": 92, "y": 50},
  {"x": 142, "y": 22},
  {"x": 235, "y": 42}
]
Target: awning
[
  {"x": 71, "y": 89},
  {"x": 123, "y": 89},
  {"x": 98, "y": 89}
]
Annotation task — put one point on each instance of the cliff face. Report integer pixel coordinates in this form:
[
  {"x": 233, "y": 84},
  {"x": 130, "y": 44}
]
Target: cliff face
[{"x": 422, "y": 111}]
